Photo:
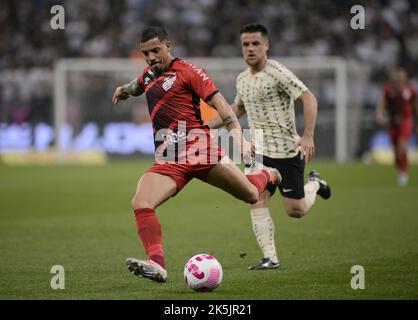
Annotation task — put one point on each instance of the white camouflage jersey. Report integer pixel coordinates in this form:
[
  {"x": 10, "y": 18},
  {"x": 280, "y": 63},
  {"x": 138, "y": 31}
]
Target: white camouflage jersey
[{"x": 268, "y": 97}]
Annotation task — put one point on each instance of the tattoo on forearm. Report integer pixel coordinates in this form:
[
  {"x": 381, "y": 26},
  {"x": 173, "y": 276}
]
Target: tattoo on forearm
[
  {"x": 131, "y": 88},
  {"x": 230, "y": 119}
]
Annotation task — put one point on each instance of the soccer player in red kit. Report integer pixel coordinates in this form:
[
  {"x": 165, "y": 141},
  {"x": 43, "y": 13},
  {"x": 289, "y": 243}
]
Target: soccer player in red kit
[
  {"x": 173, "y": 88},
  {"x": 399, "y": 100}
]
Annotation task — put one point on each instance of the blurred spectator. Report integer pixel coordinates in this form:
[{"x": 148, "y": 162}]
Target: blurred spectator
[{"x": 105, "y": 28}]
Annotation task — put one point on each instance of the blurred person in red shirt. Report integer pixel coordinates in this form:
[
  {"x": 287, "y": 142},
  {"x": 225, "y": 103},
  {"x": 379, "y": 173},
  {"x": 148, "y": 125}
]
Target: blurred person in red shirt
[{"x": 399, "y": 101}]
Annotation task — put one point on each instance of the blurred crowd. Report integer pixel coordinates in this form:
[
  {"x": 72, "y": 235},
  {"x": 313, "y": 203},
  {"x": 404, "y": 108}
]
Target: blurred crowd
[{"x": 107, "y": 28}]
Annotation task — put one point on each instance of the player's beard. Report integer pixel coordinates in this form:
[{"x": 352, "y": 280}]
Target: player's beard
[
  {"x": 256, "y": 62},
  {"x": 157, "y": 68},
  {"x": 252, "y": 61}
]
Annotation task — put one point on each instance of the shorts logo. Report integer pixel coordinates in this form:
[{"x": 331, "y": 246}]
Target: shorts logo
[
  {"x": 287, "y": 190},
  {"x": 173, "y": 137},
  {"x": 168, "y": 82}
]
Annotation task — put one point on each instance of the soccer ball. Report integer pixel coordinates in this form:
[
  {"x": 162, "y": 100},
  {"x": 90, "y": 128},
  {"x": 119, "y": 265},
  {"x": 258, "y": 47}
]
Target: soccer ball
[{"x": 203, "y": 273}]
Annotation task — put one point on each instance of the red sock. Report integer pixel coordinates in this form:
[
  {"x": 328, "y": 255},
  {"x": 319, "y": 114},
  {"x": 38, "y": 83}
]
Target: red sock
[
  {"x": 398, "y": 160},
  {"x": 259, "y": 179},
  {"x": 403, "y": 162},
  {"x": 149, "y": 230}
]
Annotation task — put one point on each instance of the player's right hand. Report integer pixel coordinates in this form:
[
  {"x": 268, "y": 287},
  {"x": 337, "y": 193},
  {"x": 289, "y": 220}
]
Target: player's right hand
[
  {"x": 380, "y": 118},
  {"x": 119, "y": 95},
  {"x": 307, "y": 147},
  {"x": 248, "y": 152}
]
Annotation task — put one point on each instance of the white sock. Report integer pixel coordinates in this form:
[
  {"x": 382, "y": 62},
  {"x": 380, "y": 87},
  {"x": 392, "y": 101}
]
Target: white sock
[
  {"x": 263, "y": 227},
  {"x": 311, "y": 187}
]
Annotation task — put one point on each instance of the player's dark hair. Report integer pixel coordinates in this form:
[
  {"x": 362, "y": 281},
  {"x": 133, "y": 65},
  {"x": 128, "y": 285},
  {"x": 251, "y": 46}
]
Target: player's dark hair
[
  {"x": 153, "y": 32},
  {"x": 254, "y": 27}
]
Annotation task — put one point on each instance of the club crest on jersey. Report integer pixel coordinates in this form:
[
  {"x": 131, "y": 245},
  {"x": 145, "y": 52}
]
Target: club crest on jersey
[
  {"x": 168, "y": 82},
  {"x": 406, "y": 94}
]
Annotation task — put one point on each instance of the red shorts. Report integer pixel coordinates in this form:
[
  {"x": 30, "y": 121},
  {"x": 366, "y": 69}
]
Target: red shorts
[
  {"x": 182, "y": 173},
  {"x": 401, "y": 130},
  {"x": 191, "y": 167}
]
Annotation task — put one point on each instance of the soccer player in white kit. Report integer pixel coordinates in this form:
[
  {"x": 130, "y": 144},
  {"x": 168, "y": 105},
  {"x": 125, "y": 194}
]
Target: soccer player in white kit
[{"x": 266, "y": 92}]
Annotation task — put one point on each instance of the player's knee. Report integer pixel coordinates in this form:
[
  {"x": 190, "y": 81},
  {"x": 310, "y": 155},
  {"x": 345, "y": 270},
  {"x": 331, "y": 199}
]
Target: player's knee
[
  {"x": 141, "y": 204},
  {"x": 252, "y": 197},
  {"x": 296, "y": 211}
]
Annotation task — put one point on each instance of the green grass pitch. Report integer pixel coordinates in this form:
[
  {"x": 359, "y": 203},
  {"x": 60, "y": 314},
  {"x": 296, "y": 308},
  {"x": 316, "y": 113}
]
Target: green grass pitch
[{"x": 80, "y": 218}]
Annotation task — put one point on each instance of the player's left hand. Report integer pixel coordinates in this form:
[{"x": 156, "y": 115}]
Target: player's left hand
[{"x": 307, "y": 148}]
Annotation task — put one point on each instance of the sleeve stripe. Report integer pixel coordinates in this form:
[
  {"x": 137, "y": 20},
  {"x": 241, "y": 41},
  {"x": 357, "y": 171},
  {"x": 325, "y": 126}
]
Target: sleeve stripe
[{"x": 211, "y": 95}]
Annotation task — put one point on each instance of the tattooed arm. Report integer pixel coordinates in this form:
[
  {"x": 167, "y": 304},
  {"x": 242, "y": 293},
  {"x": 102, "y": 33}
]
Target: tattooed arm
[
  {"x": 124, "y": 92},
  {"x": 226, "y": 114},
  {"x": 231, "y": 122},
  {"x": 217, "y": 122}
]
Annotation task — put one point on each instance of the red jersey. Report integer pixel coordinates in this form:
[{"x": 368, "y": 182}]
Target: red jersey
[
  {"x": 400, "y": 103},
  {"x": 175, "y": 96}
]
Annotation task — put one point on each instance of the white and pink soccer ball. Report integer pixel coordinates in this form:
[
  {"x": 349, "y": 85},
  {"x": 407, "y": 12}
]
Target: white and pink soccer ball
[{"x": 203, "y": 273}]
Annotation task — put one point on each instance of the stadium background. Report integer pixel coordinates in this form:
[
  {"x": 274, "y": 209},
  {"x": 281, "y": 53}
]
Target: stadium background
[
  {"x": 368, "y": 209},
  {"x": 205, "y": 28}
]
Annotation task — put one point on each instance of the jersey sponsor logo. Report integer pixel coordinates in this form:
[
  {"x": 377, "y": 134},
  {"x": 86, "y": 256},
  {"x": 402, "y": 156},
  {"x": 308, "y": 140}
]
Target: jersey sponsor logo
[
  {"x": 147, "y": 80},
  {"x": 197, "y": 69},
  {"x": 168, "y": 82}
]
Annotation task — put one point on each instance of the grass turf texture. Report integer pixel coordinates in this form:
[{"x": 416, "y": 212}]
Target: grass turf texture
[{"x": 80, "y": 218}]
